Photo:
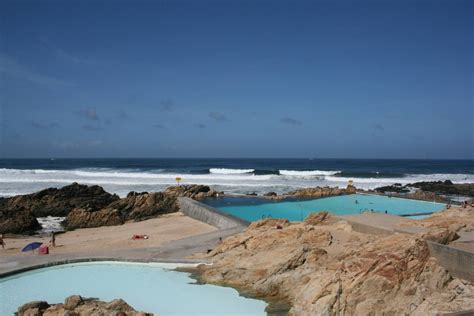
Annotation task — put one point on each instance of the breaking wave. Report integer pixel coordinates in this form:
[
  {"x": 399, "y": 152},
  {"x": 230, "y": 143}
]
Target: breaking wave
[
  {"x": 121, "y": 181},
  {"x": 230, "y": 171},
  {"x": 308, "y": 173}
]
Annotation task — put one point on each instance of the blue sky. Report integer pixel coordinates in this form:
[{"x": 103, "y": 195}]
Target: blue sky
[{"x": 349, "y": 79}]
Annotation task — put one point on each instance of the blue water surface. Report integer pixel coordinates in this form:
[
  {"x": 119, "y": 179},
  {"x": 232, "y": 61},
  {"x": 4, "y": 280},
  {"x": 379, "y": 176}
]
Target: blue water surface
[
  {"x": 252, "y": 209},
  {"x": 145, "y": 287}
]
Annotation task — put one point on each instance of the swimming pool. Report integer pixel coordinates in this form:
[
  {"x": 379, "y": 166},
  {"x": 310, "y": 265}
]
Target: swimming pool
[
  {"x": 252, "y": 209},
  {"x": 146, "y": 287}
]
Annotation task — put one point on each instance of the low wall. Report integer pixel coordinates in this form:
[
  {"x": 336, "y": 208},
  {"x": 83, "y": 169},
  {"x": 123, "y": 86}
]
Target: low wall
[
  {"x": 458, "y": 262},
  {"x": 368, "y": 229},
  {"x": 208, "y": 214}
]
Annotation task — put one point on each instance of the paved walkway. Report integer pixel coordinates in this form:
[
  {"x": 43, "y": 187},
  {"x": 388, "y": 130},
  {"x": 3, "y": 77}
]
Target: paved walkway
[{"x": 174, "y": 251}]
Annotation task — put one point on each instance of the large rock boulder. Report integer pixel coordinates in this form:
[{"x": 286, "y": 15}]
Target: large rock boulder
[
  {"x": 425, "y": 196},
  {"x": 318, "y": 192},
  {"x": 324, "y": 267},
  {"x": 431, "y": 188},
  {"x": 59, "y": 202},
  {"x": 18, "y": 220},
  {"x": 194, "y": 191},
  {"x": 135, "y": 206},
  {"x": 77, "y": 305},
  {"x": 83, "y": 218}
]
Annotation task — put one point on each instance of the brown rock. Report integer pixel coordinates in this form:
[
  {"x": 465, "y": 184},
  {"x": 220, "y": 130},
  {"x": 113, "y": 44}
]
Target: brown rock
[
  {"x": 318, "y": 192},
  {"x": 330, "y": 270},
  {"x": 18, "y": 220},
  {"x": 33, "y": 308},
  {"x": 192, "y": 190},
  {"x": 76, "y": 305},
  {"x": 316, "y": 218},
  {"x": 81, "y": 218},
  {"x": 73, "y": 301},
  {"x": 270, "y": 194}
]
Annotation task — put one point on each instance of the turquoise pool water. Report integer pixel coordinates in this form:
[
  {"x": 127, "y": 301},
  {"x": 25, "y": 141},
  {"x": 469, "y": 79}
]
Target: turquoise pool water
[
  {"x": 146, "y": 287},
  {"x": 255, "y": 209}
]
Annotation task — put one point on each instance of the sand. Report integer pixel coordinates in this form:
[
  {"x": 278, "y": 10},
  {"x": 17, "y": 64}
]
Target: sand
[{"x": 160, "y": 230}]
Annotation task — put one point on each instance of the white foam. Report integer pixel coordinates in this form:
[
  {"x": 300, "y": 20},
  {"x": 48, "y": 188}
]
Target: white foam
[
  {"x": 16, "y": 182},
  {"x": 307, "y": 173},
  {"x": 51, "y": 223},
  {"x": 230, "y": 171}
]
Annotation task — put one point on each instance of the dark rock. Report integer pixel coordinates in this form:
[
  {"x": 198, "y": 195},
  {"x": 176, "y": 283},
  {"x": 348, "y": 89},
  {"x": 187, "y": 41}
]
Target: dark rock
[
  {"x": 59, "y": 202},
  {"x": 136, "y": 206},
  {"x": 445, "y": 187},
  {"x": 81, "y": 218},
  {"x": 438, "y": 187},
  {"x": 140, "y": 206},
  {"x": 270, "y": 194},
  {"x": 17, "y": 220},
  {"x": 396, "y": 188}
]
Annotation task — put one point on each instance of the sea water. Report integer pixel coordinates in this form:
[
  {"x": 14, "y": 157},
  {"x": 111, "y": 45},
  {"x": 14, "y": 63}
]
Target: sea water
[
  {"x": 120, "y": 176},
  {"x": 146, "y": 287}
]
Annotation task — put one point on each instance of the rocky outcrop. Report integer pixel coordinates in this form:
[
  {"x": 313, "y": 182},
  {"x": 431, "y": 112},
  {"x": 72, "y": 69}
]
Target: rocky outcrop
[
  {"x": 445, "y": 187},
  {"x": 434, "y": 187},
  {"x": 83, "y": 218},
  {"x": 193, "y": 191},
  {"x": 323, "y": 267},
  {"x": 319, "y": 192},
  {"x": 91, "y": 206},
  {"x": 59, "y": 202},
  {"x": 425, "y": 196},
  {"x": 18, "y": 220},
  {"x": 77, "y": 305},
  {"x": 136, "y": 206}
]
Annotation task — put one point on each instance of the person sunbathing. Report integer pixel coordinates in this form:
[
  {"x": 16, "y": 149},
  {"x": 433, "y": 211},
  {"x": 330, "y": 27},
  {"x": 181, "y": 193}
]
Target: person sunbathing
[{"x": 135, "y": 237}]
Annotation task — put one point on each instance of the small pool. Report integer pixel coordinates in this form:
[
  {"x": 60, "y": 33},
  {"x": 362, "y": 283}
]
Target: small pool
[
  {"x": 252, "y": 209},
  {"x": 146, "y": 287}
]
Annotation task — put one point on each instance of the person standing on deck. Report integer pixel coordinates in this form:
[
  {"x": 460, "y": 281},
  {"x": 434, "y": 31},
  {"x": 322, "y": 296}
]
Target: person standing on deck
[
  {"x": 2, "y": 241},
  {"x": 53, "y": 239}
]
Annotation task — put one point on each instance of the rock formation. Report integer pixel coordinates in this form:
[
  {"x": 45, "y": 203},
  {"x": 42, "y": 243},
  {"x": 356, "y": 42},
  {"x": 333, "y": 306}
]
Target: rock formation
[
  {"x": 136, "y": 206},
  {"x": 193, "y": 191},
  {"x": 17, "y": 220},
  {"x": 59, "y": 202},
  {"x": 431, "y": 188},
  {"x": 90, "y": 206},
  {"x": 315, "y": 192},
  {"x": 322, "y": 267},
  {"x": 76, "y": 305}
]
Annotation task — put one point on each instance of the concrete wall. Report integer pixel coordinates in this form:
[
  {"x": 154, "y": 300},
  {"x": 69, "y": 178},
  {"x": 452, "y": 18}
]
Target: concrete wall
[
  {"x": 208, "y": 214},
  {"x": 458, "y": 262}
]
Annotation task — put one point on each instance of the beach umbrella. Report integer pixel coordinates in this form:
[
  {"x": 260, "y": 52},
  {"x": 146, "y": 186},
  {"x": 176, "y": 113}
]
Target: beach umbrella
[{"x": 32, "y": 246}]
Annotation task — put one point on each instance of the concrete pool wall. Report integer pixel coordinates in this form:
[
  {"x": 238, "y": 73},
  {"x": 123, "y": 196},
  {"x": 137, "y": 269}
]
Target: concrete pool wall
[{"x": 209, "y": 214}]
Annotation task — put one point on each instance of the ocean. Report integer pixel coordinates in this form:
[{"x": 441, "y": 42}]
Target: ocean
[{"x": 241, "y": 176}]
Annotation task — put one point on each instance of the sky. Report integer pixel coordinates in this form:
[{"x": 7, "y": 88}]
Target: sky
[{"x": 309, "y": 79}]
